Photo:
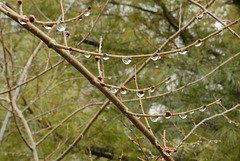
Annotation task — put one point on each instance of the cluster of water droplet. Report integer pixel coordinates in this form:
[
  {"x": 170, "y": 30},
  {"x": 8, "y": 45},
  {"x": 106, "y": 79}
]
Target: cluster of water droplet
[
  {"x": 87, "y": 55},
  {"x": 198, "y": 44},
  {"x": 154, "y": 112},
  {"x": 183, "y": 52},
  {"x": 155, "y": 57},
  {"x": 152, "y": 89},
  {"x": 167, "y": 117},
  {"x": 183, "y": 116},
  {"x": 138, "y": 117},
  {"x": 21, "y": 21},
  {"x": 48, "y": 27},
  {"x": 140, "y": 94},
  {"x": 61, "y": 26},
  {"x": 126, "y": 60},
  {"x": 124, "y": 91},
  {"x": 113, "y": 90},
  {"x": 105, "y": 57},
  {"x": 87, "y": 13},
  {"x": 203, "y": 109}
]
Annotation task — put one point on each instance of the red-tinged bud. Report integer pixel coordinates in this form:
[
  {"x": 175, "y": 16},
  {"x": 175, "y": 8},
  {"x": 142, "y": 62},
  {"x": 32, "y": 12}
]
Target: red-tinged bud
[
  {"x": 167, "y": 150},
  {"x": 103, "y": 84},
  {"x": 174, "y": 149},
  {"x": 97, "y": 58},
  {"x": 19, "y": 2},
  {"x": 100, "y": 77},
  {"x": 67, "y": 33},
  {"x": 199, "y": 18},
  {"x": 123, "y": 88},
  {"x": 168, "y": 113},
  {"x": 31, "y": 18},
  {"x": 130, "y": 138}
]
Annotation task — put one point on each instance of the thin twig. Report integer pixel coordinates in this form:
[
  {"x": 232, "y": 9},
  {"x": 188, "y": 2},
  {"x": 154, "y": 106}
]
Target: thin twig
[
  {"x": 164, "y": 138},
  {"x": 148, "y": 55},
  {"x": 190, "y": 83},
  {"x": 61, "y": 123},
  {"x": 90, "y": 154},
  {"x": 140, "y": 101},
  {"x": 204, "y": 120},
  {"x": 94, "y": 24},
  {"x": 215, "y": 17}
]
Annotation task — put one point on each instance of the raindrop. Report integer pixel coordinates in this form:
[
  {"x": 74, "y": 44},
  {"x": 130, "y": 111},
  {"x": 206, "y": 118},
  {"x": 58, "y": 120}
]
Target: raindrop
[
  {"x": 183, "y": 116},
  {"x": 126, "y": 60},
  {"x": 21, "y": 22},
  {"x": 165, "y": 153},
  {"x": 194, "y": 145},
  {"x": 87, "y": 13},
  {"x": 198, "y": 44},
  {"x": 105, "y": 57},
  {"x": 155, "y": 57},
  {"x": 191, "y": 112},
  {"x": 229, "y": 121},
  {"x": 199, "y": 18},
  {"x": 167, "y": 81},
  {"x": 183, "y": 52},
  {"x": 219, "y": 102},
  {"x": 154, "y": 119},
  {"x": 152, "y": 89},
  {"x": 140, "y": 94},
  {"x": 138, "y": 117},
  {"x": 80, "y": 19},
  {"x": 113, "y": 90},
  {"x": 87, "y": 55},
  {"x": 48, "y": 27},
  {"x": 168, "y": 117},
  {"x": 124, "y": 92},
  {"x": 61, "y": 26},
  {"x": 202, "y": 109}
]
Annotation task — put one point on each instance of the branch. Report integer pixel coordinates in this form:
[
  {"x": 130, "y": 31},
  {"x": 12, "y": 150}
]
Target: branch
[
  {"x": 146, "y": 55},
  {"x": 215, "y": 17},
  {"x": 191, "y": 83},
  {"x": 206, "y": 119},
  {"x": 88, "y": 75}
]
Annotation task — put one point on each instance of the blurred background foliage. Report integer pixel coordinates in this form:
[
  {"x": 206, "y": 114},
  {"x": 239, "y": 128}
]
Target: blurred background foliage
[{"x": 128, "y": 28}]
